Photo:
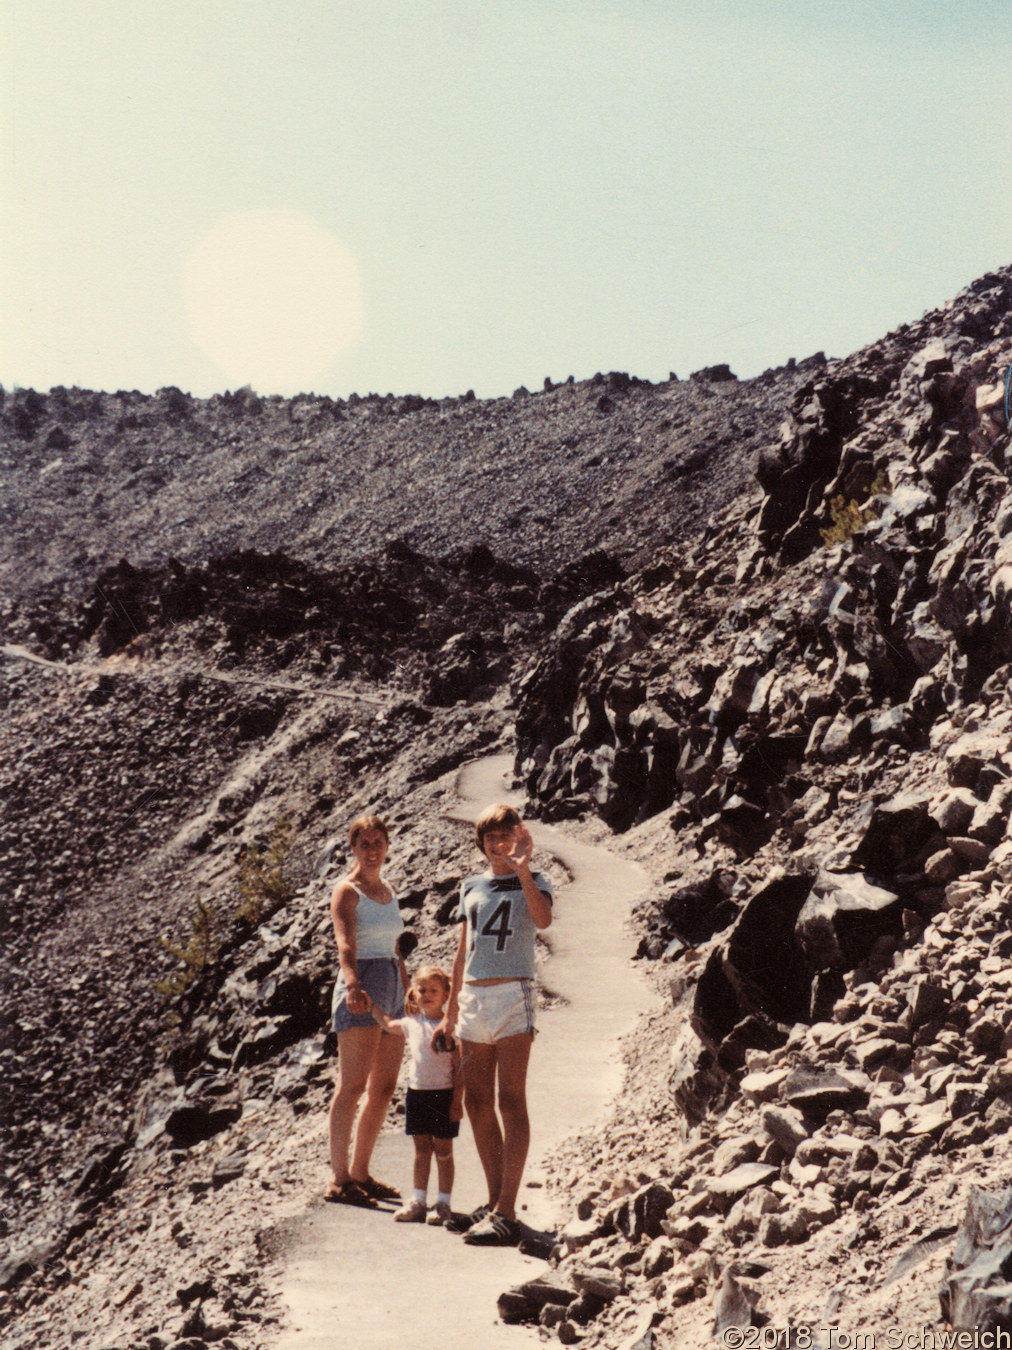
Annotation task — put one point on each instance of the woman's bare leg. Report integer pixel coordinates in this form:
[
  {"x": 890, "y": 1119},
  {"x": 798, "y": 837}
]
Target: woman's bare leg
[
  {"x": 356, "y": 1051},
  {"x": 382, "y": 1080}
]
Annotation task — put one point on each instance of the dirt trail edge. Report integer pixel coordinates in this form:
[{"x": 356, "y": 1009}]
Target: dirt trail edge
[{"x": 356, "y": 1278}]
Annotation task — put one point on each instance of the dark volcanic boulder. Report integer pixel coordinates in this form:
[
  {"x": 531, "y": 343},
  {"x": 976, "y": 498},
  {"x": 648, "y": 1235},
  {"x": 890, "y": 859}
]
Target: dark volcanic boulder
[
  {"x": 695, "y": 1075},
  {"x": 741, "y": 824},
  {"x": 795, "y": 472},
  {"x": 459, "y": 666},
  {"x": 816, "y": 1092},
  {"x": 765, "y": 963},
  {"x": 976, "y": 1291},
  {"x": 192, "y": 1122},
  {"x": 842, "y": 918},
  {"x": 757, "y": 983},
  {"x": 900, "y": 836},
  {"x": 702, "y": 908}
]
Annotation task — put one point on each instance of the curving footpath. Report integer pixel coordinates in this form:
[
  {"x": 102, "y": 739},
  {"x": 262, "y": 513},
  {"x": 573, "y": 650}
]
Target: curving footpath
[{"x": 355, "y": 1278}]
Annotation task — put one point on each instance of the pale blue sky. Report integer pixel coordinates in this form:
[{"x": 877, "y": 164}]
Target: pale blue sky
[{"x": 526, "y": 189}]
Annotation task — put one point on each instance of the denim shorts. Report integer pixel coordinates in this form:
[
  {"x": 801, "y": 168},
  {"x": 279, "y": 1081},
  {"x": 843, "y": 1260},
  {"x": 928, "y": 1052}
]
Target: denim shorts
[
  {"x": 491, "y": 1012},
  {"x": 381, "y": 980}
]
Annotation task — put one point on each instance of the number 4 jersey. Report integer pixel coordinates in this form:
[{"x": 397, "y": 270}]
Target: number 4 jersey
[{"x": 500, "y": 930}]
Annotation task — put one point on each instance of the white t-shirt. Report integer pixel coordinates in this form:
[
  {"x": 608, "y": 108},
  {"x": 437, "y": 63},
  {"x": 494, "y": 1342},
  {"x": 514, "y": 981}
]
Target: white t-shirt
[{"x": 428, "y": 1069}]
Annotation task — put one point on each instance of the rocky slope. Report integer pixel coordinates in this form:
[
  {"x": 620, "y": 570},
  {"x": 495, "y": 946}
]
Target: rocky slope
[
  {"x": 772, "y": 661},
  {"x": 541, "y": 479}
]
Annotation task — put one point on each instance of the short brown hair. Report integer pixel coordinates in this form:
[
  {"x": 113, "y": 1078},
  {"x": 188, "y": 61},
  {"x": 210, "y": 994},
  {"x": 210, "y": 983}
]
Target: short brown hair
[
  {"x": 496, "y": 817},
  {"x": 367, "y": 823}
]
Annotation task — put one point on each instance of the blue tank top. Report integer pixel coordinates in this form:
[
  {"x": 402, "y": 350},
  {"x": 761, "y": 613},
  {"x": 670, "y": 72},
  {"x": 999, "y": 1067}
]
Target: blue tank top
[{"x": 377, "y": 928}]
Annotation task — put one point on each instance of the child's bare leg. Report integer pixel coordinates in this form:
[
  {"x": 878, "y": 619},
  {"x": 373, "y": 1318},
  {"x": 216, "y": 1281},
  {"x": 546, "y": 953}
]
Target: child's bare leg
[
  {"x": 443, "y": 1149},
  {"x": 513, "y": 1054},
  {"x": 478, "y": 1068},
  {"x": 423, "y": 1161}
]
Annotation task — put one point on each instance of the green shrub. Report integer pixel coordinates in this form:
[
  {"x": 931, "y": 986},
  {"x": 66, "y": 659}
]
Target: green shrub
[
  {"x": 196, "y": 955},
  {"x": 264, "y": 880}
]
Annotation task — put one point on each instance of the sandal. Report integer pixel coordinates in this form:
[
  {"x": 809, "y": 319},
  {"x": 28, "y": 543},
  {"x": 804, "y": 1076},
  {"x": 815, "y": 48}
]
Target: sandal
[
  {"x": 378, "y": 1190},
  {"x": 349, "y": 1193}
]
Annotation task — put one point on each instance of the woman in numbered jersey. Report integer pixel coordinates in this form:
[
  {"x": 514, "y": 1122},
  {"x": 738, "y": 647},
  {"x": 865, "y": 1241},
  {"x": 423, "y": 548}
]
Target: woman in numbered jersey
[{"x": 491, "y": 1011}]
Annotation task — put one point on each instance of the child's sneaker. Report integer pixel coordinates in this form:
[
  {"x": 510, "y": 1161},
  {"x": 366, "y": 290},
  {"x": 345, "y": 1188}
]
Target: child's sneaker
[
  {"x": 439, "y": 1213},
  {"x": 413, "y": 1212}
]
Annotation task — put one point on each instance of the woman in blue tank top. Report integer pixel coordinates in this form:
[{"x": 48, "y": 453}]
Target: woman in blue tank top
[{"x": 367, "y": 924}]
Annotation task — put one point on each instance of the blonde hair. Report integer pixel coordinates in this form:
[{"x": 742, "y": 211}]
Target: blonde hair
[
  {"x": 367, "y": 823},
  {"x": 495, "y": 817},
  {"x": 424, "y": 973}
]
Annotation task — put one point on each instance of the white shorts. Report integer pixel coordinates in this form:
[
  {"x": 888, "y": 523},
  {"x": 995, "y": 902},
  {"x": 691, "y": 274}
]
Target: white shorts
[{"x": 491, "y": 1012}]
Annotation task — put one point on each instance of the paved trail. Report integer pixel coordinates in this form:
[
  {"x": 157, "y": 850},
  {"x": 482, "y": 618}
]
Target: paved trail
[{"x": 356, "y": 1278}]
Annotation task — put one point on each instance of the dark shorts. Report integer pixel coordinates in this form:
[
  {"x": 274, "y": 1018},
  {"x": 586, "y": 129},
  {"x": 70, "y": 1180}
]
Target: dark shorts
[
  {"x": 381, "y": 980},
  {"x": 427, "y": 1111}
]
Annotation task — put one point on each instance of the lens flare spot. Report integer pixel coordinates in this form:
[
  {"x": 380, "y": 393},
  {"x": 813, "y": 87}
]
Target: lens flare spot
[{"x": 273, "y": 299}]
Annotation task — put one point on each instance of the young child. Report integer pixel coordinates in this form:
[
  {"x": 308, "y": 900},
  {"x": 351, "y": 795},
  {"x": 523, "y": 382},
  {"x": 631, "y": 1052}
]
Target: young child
[
  {"x": 433, "y": 1107},
  {"x": 491, "y": 1009}
]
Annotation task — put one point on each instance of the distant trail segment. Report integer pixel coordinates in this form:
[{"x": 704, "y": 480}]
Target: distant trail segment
[
  {"x": 356, "y": 1278},
  {"x": 141, "y": 672}
]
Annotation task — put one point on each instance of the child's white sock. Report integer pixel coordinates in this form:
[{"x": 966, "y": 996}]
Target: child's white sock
[
  {"x": 420, "y": 1196},
  {"x": 443, "y": 1198}
]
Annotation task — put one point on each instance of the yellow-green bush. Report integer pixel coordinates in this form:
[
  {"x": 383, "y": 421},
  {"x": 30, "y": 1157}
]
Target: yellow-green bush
[{"x": 847, "y": 517}]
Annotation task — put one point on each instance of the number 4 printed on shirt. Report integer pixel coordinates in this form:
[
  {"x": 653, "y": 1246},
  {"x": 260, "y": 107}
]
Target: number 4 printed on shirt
[{"x": 498, "y": 926}]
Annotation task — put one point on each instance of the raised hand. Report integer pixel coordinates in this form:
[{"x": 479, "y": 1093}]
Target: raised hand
[{"x": 523, "y": 849}]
